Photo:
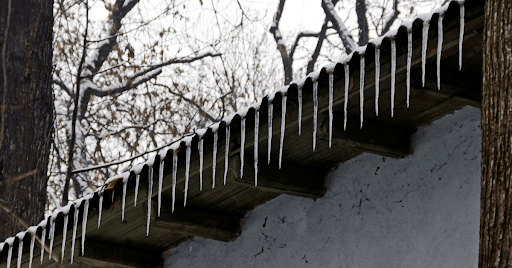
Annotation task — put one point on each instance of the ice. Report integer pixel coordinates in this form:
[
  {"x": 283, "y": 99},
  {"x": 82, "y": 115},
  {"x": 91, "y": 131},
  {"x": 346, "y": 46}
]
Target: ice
[
  {"x": 174, "y": 174},
  {"x": 32, "y": 242},
  {"x": 270, "y": 112},
  {"x": 20, "y": 252},
  {"x": 100, "y": 208},
  {"x": 361, "y": 88},
  {"x": 439, "y": 48},
  {"x": 52, "y": 236},
  {"x": 187, "y": 172},
  {"x": 242, "y": 148},
  {"x": 9, "y": 255},
  {"x": 331, "y": 93},
  {"x": 43, "y": 237},
  {"x": 214, "y": 162},
  {"x": 256, "y": 140},
  {"x": 409, "y": 58},
  {"x": 137, "y": 179},
  {"x": 424, "y": 39},
  {"x": 150, "y": 194},
  {"x": 377, "y": 79},
  {"x": 315, "y": 111},
  {"x": 200, "y": 148},
  {"x": 299, "y": 97},
  {"x": 123, "y": 202},
  {"x": 84, "y": 223},
  {"x": 75, "y": 225},
  {"x": 160, "y": 182},
  {"x": 393, "y": 73},
  {"x": 346, "y": 68},
  {"x": 283, "y": 124},
  {"x": 64, "y": 234},
  {"x": 461, "y": 33},
  {"x": 226, "y": 152}
]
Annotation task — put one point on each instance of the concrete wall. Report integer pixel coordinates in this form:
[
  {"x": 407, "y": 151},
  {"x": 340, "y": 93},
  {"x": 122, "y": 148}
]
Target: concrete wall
[{"x": 421, "y": 211}]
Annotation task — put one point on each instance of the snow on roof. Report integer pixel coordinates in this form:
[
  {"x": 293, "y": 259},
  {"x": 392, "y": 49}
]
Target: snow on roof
[{"x": 200, "y": 133}]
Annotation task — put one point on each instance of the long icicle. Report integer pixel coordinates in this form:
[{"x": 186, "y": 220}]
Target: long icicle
[
  {"x": 347, "y": 82},
  {"x": 32, "y": 242},
  {"x": 242, "y": 148},
  {"x": 226, "y": 152},
  {"x": 214, "y": 161},
  {"x": 123, "y": 201},
  {"x": 461, "y": 33},
  {"x": 137, "y": 179},
  {"x": 9, "y": 256},
  {"x": 299, "y": 97},
  {"x": 100, "y": 208},
  {"x": 84, "y": 223},
  {"x": 283, "y": 124},
  {"x": 64, "y": 234},
  {"x": 439, "y": 48},
  {"x": 424, "y": 40},
  {"x": 52, "y": 236},
  {"x": 315, "y": 112},
  {"x": 331, "y": 97},
  {"x": 73, "y": 236},
  {"x": 43, "y": 236},
  {"x": 361, "y": 88},
  {"x": 150, "y": 194},
  {"x": 393, "y": 73},
  {"x": 201, "y": 153},
  {"x": 270, "y": 114},
  {"x": 174, "y": 174},
  {"x": 160, "y": 184},
  {"x": 256, "y": 141},
  {"x": 377, "y": 78},
  {"x": 409, "y": 59},
  {"x": 187, "y": 172},
  {"x": 20, "y": 253}
]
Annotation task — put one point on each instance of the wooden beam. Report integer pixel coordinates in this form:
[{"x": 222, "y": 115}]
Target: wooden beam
[
  {"x": 196, "y": 222},
  {"x": 374, "y": 137},
  {"x": 105, "y": 254},
  {"x": 290, "y": 179}
]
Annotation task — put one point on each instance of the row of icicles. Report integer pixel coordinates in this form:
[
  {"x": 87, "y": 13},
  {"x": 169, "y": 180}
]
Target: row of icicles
[{"x": 175, "y": 147}]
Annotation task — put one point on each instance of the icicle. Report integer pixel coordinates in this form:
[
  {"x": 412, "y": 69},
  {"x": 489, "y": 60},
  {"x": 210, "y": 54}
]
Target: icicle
[
  {"x": 100, "y": 208},
  {"x": 201, "y": 145},
  {"x": 361, "y": 88},
  {"x": 331, "y": 97},
  {"x": 409, "y": 58},
  {"x": 346, "y": 68},
  {"x": 31, "y": 256},
  {"x": 270, "y": 112},
  {"x": 377, "y": 78},
  {"x": 393, "y": 72},
  {"x": 160, "y": 182},
  {"x": 299, "y": 93},
  {"x": 52, "y": 236},
  {"x": 43, "y": 237},
  {"x": 315, "y": 112},
  {"x": 150, "y": 194},
  {"x": 75, "y": 225},
  {"x": 439, "y": 48},
  {"x": 20, "y": 252},
  {"x": 187, "y": 172},
  {"x": 214, "y": 162},
  {"x": 137, "y": 178},
  {"x": 113, "y": 195},
  {"x": 242, "y": 148},
  {"x": 283, "y": 124},
  {"x": 64, "y": 234},
  {"x": 226, "y": 153},
  {"x": 84, "y": 223},
  {"x": 256, "y": 140},
  {"x": 9, "y": 256},
  {"x": 123, "y": 202},
  {"x": 424, "y": 40},
  {"x": 174, "y": 174},
  {"x": 461, "y": 33}
]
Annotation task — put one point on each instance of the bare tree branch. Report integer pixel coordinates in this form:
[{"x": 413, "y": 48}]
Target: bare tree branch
[
  {"x": 274, "y": 29},
  {"x": 321, "y": 36},
  {"x": 391, "y": 18},
  {"x": 362, "y": 22},
  {"x": 63, "y": 86},
  {"x": 339, "y": 26},
  {"x": 299, "y": 36}
]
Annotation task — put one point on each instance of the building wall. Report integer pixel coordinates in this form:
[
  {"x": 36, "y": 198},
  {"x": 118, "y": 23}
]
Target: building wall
[{"x": 421, "y": 211}]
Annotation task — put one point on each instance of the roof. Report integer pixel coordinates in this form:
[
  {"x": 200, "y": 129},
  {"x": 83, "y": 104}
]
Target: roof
[{"x": 336, "y": 112}]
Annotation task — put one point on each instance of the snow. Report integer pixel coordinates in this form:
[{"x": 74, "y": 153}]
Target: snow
[
  {"x": 361, "y": 88},
  {"x": 137, "y": 169},
  {"x": 226, "y": 153},
  {"x": 331, "y": 96},
  {"x": 347, "y": 80},
  {"x": 377, "y": 78},
  {"x": 283, "y": 125},
  {"x": 393, "y": 74},
  {"x": 270, "y": 112},
  {"x": 256, "y": 141},
  {"x": 439, "y": 48},
  {"x": 315, "y": 112}
]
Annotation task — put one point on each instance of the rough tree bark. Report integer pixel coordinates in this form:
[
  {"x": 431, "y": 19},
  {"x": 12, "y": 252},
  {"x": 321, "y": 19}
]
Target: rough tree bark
[
  {"x": 496, "y": 188},
  {"x": 26, "y": 112}
]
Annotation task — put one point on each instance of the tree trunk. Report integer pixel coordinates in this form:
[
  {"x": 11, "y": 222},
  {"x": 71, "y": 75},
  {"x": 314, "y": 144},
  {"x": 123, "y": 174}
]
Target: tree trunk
[
  {"x": 26, "y": 114},
  {"x": 496, "y": 191}
]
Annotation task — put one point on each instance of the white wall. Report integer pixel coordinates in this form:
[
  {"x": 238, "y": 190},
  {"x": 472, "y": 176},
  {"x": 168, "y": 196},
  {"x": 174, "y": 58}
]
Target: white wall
[{"x": 421, "y": 211}]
